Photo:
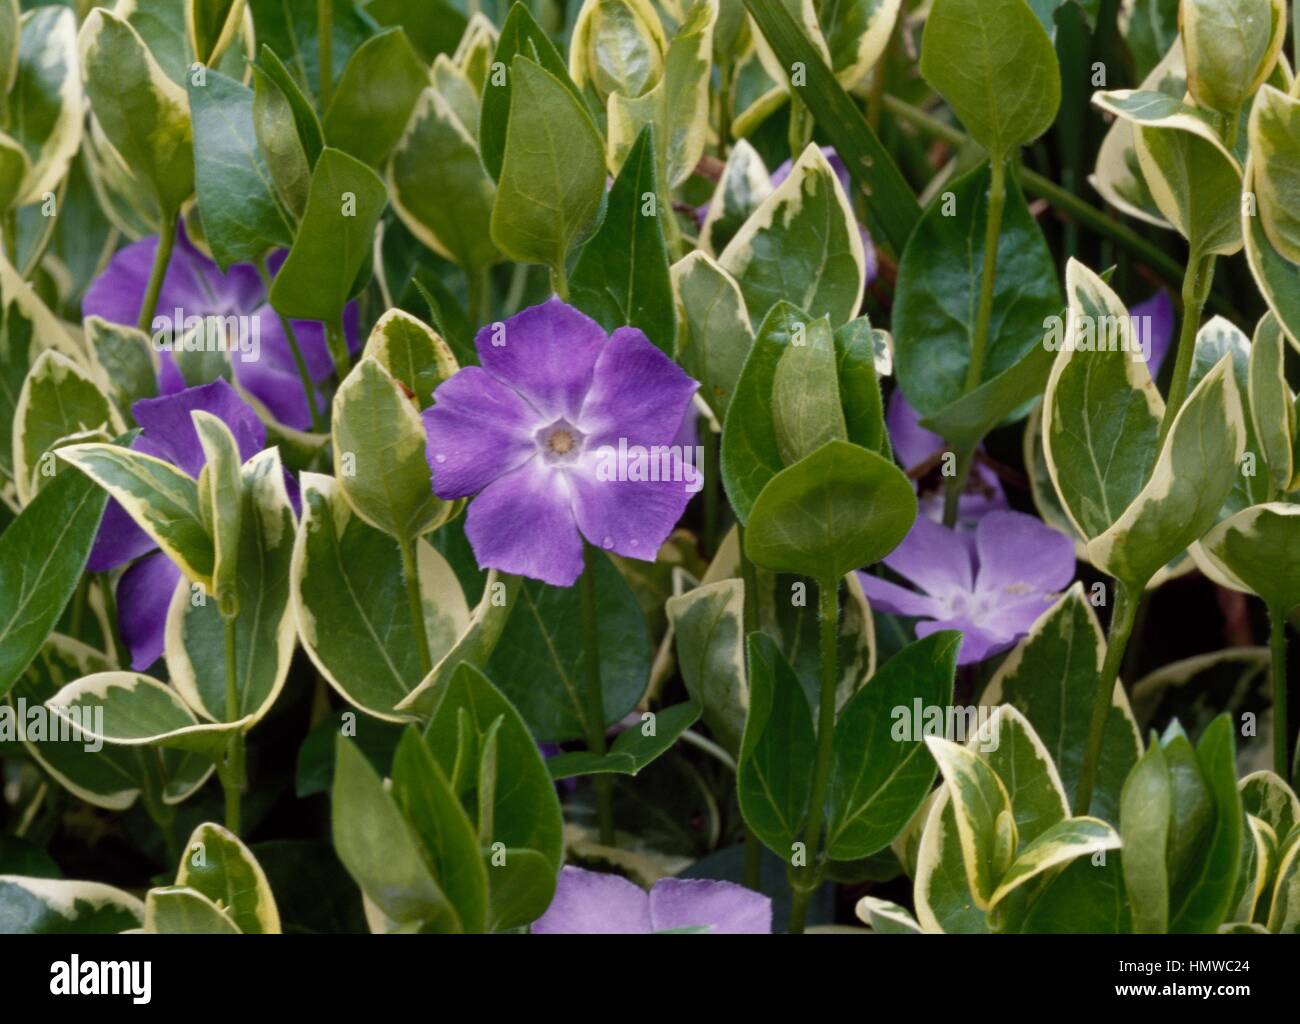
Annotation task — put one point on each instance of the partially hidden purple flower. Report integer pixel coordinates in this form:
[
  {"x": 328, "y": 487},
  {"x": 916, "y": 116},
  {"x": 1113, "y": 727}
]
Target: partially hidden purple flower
[
  {"x": 913, "y": 445},
  {"x": 590, "y": 903},
  {"x": 547, "y": 433},
  {"x": 991, "y": 583},
  {"x": 145, "y": 588},
  {"x": 1156, "y": 317},
  {"x": 194, "y": 286}
]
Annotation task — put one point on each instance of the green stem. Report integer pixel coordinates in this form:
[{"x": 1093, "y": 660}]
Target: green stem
[
  {"x": 1277, "y": 645},
  {"x": 515, "y": 293},
  {"x": 479, "y": 284},
  {"x": 161, "y": 258},
  {"x": 749, "y": 579},
  {"x": 336, "y": 341},
  {"x": 560, "y": 282},
  {"x": 989, "y": 273},
  {"x": 955, "y": 486},
  {"x": 1065, "y": 201},
  {"x": 828, "y": 614},
  {"x": 1121, "y": 627},
  {"x": 711, "y": 487},
  {"x": 304, "y": 375},
  {"x": 325, "y": 33},
  {"x": 595, "y": 694},
  {"x": 231, "y": 772},
  {"x": 411, "y": 574},
  {"x": 162, "y": 815},
  {"x": 1196, "y": 287},
  {"x": 724, "y": 107}
]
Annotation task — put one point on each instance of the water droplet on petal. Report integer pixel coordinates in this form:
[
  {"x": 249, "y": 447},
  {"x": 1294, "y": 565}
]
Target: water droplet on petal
[
  {"x": 608, "y": 542},
  {"x": 440, "y": 458}
]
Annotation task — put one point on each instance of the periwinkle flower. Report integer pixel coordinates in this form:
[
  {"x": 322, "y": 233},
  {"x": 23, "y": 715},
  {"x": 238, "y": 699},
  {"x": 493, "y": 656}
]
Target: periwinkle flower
[
  {"x": 195, "y": 286},
  {"x": 991, "y": 583},
  {"x": 145, "y": 588},
  {"x": 535, "y": 433},
  {"x": 591, "y": 903}
]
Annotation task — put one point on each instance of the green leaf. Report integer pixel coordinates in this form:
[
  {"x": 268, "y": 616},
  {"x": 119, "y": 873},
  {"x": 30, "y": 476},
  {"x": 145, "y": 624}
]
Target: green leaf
[
  {"x": 881, "y": 775},
  {"x": 379, "y": 456},
  {"x": 520, "y": 35},
  {"x": 375, "y": 96},
  {"x": 55, "y": 906},
  {"x": 1232, "y": 47},
  {"x": 857, "y": 33},
  {"x": 158, "y": 496},
  {"x": 622, "y": 276},
  {"x": 1051, "y": 677},
  {"x": 42, "y": 554},
  {"x": 890, "y": 198},
  {"x": 1268, "y": 797},
  {"x": 1057, "y": 846},
  {"x": 134, "y": 710},
  {"x": 381, "y": 851},
  {"x": 217, "y": 865},
  {"x": 708, "y": 632},
  {"x": 966, "y": 52},
  {"x": 450, "y": 844},
  {"x": 886, "y": 918},
  {"x": 677, "y": 105},
  {"x": 264, "y": 630},
  {"x": 540, "y": 658},
  {"x": 1144, "y": 823},
  {"x": 334, "y": 240},
  {"x": 633, "y": 748},
  {"x": 310, "y": 134},
  {"x": 1260, "y": 547},
  {"x": 1196, "y": 186},
  {"x": 144, "y": 114},
  {"x": 801, "y": 245},
  {"x": 221, "y": 499},
  {"x": 46, "y": 101},
  {"x": 279, "y": 143},
  {"x": 1271, "y": 403},
  {"x": 353, "y": 613},
  {"x": 180, "y": 910},
  {"x": 127, "y": 358},
  {"x": 617, "y": 46},
  {"x": 742, "y": 188},
  {"x": 412, "y": 352},
  {"x": 982, "y": 813},
  {"x": 840, "y": 508},
  {"x": 1274, "y": 148},
  {"x": 433, "y": 26},
  {"x": 519, "y": 812},
  {"x": 440, "y": 188},
  {"x": 211, "y": 26},
  {"x": 59, "y": 400},
  {"x": 714, "y": 334},
  {"x": 939, "y": 283},
  {"x": 806, "y": 413},
  {"x": 552, "y": 177},
  {"x": 774, "y": 776},
  {"x": 242, "y": 218}
]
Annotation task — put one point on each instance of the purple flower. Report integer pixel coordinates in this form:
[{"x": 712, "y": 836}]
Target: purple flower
[
  {"x": 590, "y": 903},
  {"x": 913, "y": 445},
  {"x": 991, "y": 583},
  {"x": 550, "y": 434},
  {"x": 145, "y": 589},
  {"x": 1160, "y": 309},
  {"x": 196, "y": 287}
]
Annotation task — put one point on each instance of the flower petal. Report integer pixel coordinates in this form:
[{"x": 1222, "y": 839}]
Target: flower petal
[
  {"x": 629, "y": 517},
  {"x": 547, "y": 354},
  {"x": 143, "y": 595},
  {"x": 977, "y": 642},
  {"x": 478, "y": 429},
  {"x": 118, "y": 541},
  {"x": 592, "y": 903},
  {"x": 889, "y": 597},
  {"x": 727, "y": 908},
  {"x": 1019, "y": 555},
  {"x": 913, "y": 444},
  {"x": 637, "y": 393},
  {"x": 1160, "y": 331},
  {"x": 279, "y": 390},
  {"x": 167, "y": 423},
  {"x": 522, "y": 523},
  {"x": 936, "y": 559}
]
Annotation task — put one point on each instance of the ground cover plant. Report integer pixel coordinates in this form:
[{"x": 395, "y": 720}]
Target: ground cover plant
[{"x": 649, "y": 466}]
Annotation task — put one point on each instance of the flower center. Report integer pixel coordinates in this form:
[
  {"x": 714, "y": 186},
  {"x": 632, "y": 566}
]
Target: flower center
[{"x": 561, "y": 442}]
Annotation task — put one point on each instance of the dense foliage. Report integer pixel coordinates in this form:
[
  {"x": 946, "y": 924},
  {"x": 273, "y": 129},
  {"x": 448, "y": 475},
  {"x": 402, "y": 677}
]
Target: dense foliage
[{"x": 648, "y": 465}]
